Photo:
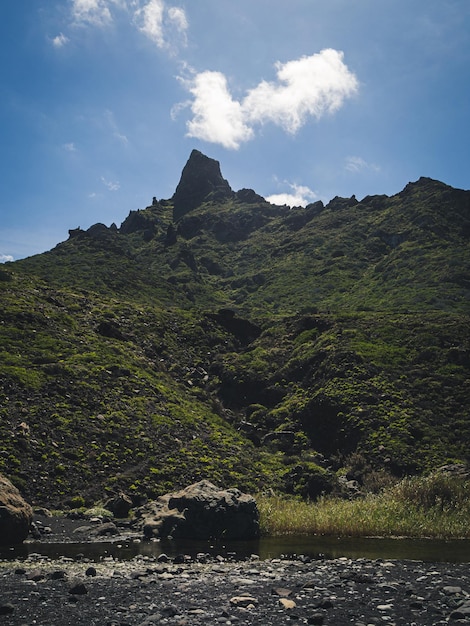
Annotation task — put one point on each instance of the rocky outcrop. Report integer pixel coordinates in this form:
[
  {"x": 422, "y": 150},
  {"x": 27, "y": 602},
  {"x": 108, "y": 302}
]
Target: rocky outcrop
[
  {"x": 200, "y": 181},
  {"x": 200, "y": 511},
  {"x": 15, "y": 514}
]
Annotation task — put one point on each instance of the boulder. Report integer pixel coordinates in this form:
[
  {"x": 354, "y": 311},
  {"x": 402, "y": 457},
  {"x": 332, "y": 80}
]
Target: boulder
[
  {"x": 119, "y": 505},
  {"x": 200, "y": 511},
  {"x": 15, "y": 514}
]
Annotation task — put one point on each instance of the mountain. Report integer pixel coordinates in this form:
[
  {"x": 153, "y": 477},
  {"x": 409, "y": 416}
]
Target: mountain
[{"x": 216, "y": 335}]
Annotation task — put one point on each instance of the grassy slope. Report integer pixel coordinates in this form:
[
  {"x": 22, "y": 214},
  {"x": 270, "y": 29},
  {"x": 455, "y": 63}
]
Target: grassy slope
[{"x": 110, "y": 359}]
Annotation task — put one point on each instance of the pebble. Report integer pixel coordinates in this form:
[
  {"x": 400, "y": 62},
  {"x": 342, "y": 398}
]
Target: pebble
[{"x": 206, "y": 590}]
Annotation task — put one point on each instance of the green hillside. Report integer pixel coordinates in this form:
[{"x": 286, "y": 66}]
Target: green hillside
[{"x": 217, "y": 335}]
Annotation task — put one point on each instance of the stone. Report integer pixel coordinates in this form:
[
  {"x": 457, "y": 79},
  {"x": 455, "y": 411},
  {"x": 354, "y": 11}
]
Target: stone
[
  {"x": 16, "y": 515},
  {"x": 243, "y": 601},
  {"x": 201, "y": 511},
  {"x": 281, "y": 592},
  {"x": 79, "y": 589},
  {"x": 119, "y": 505},
  {"x": 58, "y": 574},
  {"x": 201, "y": 180},
  {"x": 7, "y": 609},
  {"x": 286, "y": 603},
  {"x": 108, "y": 528}
]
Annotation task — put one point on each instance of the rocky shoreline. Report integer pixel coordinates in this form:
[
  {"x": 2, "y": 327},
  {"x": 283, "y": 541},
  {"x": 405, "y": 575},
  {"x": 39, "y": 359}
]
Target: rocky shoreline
[
  {"x": 227, "y": 589},
  {"x": 188, "y": 591}
]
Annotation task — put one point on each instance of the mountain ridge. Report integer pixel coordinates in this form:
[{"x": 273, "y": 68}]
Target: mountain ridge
[{"x": 278, "y": 347}]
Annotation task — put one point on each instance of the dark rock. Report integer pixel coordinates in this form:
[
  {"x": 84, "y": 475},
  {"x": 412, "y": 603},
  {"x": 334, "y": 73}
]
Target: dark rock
[
  {"x": 171, "y": 237},
  {"x": 201, "y": 180},
  {"x": 140, "y": 221},
  {"x": 201, "y": 511},
  {"x": 338, "y": 203},
  {"x": 79, "y": 589},
  {"x": 244, "y": 330},
  {"x": 119, "y": 505},
  {"x": 35, "y": 575},
  {"x": 109, "y": 528},
  {"x": 91, "y": 571},
  {"x": 15, "y": 514},
  {"x": 249, "y": 196},
  {"x": 109, "y": 328},
  {"x": 58, "y": 574},
  {"x": 6, "y": 609}
]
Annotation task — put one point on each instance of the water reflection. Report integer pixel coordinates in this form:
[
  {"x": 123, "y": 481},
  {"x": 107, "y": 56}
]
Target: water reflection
[{"x": 455, "y": 551}]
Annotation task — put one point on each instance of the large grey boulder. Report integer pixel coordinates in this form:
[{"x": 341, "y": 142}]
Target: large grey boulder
[
  {"x": 200, "y": 511},
  {"x": 15, "y": 514}
]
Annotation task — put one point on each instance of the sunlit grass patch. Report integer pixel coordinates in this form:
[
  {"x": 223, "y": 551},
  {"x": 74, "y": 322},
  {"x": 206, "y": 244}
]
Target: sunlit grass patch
[{"x": 437, "y": 507}]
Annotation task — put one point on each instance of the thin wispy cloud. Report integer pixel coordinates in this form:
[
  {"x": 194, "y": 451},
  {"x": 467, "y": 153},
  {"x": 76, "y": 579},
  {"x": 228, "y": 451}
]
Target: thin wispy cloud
[
  {"x": 110, "y": 185},
  {"x": 164, "y": 26},
  {"x": 60, "y": 40},
  {"x": 69, "y": 147},
  {"x": 300, "y": 195},
  {"x": 96, "y": 12},
  {"x": 357, "y": 164},
  {"x": 309, "y": 87},
  {"x": 109, "y": 115}
]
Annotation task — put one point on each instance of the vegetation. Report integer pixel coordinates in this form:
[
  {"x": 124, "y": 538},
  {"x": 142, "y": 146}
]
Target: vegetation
[
  {"x": 251, "y": 344},
  {"x": 436, "y": 506}
]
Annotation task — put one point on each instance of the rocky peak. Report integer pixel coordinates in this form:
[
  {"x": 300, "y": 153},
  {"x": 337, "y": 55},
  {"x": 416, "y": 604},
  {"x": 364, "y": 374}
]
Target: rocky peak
[{"x": 200, "y": 180}]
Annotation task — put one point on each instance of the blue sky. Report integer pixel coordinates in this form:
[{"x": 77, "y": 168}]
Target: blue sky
[{"x": 102, "y": 101}]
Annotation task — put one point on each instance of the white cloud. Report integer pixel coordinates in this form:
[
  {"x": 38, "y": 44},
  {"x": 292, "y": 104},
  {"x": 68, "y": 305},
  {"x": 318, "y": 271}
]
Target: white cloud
[
  {"x": 5, "y": 258},
  {"x": 161, "y": 25},
  {"x": 70, "y": 147},
  {"x": 178, "y": 17},
  {"x": 358, "y": 164},
  {"x": 217, "y": 117},
  {"x": 60, "y": 40},
  {"x": 95, "y": 12},
  {"x": 150, "y": 21},
  {"x": 110, "y": 185},
  {"x": 307, "y": 87},
  {"x": 114, "y": 127},
  {"x": 301, "y": 196}
]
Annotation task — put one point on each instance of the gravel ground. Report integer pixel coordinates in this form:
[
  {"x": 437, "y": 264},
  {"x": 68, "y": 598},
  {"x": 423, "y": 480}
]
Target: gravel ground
[
  {"x": 147, "y": 591},
  {"x": 207, "y": 589}
]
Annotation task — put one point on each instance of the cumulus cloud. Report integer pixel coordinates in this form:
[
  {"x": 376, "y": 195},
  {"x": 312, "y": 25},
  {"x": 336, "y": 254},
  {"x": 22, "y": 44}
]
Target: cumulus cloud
[
  {"x": 5, "y": 258},
  {"x": 300, "y": 196},
  {"x": 358, "y": 164},
  {"x": 218, "y": 118},
  {"x": 160, "y": 24},
  {"x": 307, "y": 87}
]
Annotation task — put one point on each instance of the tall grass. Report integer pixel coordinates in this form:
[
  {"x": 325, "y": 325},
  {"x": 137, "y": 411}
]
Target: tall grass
[{"x": 435, "y": 506}]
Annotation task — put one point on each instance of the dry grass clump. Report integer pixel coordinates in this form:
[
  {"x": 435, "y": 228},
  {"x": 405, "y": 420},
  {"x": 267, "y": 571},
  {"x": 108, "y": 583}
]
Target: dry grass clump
[{"x": 433, "y": 506}]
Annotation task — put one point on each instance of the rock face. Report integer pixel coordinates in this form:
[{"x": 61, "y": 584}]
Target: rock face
[
  {"x": 201, "y": 511},
  {"x": 15, "y": 514},
  {"x": 200, "y": 179}
]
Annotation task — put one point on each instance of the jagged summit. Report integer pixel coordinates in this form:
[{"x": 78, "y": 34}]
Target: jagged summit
[{"x": 200, "y": 179}]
